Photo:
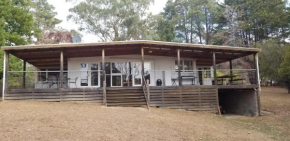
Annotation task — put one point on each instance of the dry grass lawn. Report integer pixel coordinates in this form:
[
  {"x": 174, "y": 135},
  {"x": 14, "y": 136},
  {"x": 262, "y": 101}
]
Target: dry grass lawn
[{"x": 79, "y": 121}]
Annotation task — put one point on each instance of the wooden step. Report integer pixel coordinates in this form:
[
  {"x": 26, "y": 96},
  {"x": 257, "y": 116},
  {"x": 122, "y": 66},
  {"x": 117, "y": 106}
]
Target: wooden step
[{"x": 126, "y": 97}]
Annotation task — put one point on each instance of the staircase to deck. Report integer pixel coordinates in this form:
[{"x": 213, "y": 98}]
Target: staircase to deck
[{"x": 126, "y": 97}]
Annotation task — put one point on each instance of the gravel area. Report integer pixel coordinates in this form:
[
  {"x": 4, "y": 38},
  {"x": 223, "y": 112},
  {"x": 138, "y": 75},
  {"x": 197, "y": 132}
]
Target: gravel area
[{"x": 83, "y": 121}]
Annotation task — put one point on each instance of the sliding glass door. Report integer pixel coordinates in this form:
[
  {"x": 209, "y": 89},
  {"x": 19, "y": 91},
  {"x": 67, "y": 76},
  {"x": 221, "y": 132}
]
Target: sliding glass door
[
  {"x": 137, "y": 73},
  {"x": 94, "y": 75},
  {"x": 89, "y": 75},
  {"x": 116, "y": 77},
  {"x": 118, "y": 74}
]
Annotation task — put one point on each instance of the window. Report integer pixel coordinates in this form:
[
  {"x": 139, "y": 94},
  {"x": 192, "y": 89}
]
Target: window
[
  {"x": 188, "y": 66},
  {"x": 117, "y": 67},
  {"x": 185, "y": 65}
]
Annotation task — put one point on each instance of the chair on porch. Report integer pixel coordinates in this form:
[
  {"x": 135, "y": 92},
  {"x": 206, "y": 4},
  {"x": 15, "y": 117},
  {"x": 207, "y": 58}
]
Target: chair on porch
[{"x": 74, "y": 81}]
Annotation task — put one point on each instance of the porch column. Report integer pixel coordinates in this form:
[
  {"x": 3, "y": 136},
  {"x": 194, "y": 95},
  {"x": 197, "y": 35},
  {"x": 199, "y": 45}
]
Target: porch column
[
  {"x": 61, "y": 70},
  {"x": 142, "y": 65},
  {"x": 231, "y": 70},
  {"x": 256, "y": 59},
  {"x": 24, "y": 74},
  {"x": 5, "y": 74},
  {"x": 214, "y": 67},
  {"x": 179, "y": 71},
  {"x": 104, "y": 78}
]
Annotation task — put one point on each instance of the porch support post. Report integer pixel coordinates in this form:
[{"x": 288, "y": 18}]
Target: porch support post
[
  {"x": 214, "y": 67},
  {"x": 142, "y": 65},
  {"x": 231, "y": 70},
  {"x": 5, "y": 74},
  {"x": 61, "y": 70},
  {"x": 104, "y": 78},
  {"x": 179, "y": 71},
  {"x": 24, "y": 74},
  {"x": 256, "y": 59}
]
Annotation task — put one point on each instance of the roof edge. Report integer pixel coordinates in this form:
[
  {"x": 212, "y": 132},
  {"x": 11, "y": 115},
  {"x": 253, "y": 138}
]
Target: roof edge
[{"x": 145, "y": 42}]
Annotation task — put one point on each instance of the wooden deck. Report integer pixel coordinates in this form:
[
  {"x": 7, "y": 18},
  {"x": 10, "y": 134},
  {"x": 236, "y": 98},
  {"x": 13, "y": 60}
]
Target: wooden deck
[
  {"x": 195, "y": 98},
  {"x": 55, "y": 95}
]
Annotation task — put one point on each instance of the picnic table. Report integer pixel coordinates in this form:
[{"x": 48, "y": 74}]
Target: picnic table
[
  {"x": 192, "y": 78},
  {"x": 231, "y": 77}
]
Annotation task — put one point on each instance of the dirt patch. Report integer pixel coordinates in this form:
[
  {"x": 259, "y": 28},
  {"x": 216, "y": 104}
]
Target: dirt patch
[
  {"x": 275, "y": 102},
  {"x": 75, "y": 121}
]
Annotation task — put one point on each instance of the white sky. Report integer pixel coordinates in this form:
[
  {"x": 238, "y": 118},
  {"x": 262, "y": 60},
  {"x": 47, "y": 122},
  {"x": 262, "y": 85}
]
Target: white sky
[{"x": 62, "y": 7}]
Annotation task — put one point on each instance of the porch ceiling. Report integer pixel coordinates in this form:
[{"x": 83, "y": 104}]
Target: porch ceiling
[{"x": 49, "y": 55}]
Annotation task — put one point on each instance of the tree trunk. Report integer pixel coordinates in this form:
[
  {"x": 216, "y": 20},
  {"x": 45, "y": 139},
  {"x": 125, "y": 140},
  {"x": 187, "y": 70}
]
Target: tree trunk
[
  {"x": 206, "y": 26},
  {"x": 191, "y": 29},
  {"x": 199, "y": 30}
]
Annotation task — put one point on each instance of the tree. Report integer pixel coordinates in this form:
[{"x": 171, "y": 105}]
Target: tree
[
  {"x": 44, "y": 17},
  {"x": 112, "y": 20},
  {"x": 193, "y": 21},
  {"x": 230, "y": 34},
  {"x": 16, "y": 27},
  {"x": 262, "y": 19},
  {"x": 284, "y": 70},
  {"x": 270, "y": 59}
]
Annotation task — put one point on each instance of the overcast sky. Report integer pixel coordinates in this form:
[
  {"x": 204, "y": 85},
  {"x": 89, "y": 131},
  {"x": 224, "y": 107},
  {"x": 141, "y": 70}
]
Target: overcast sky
[{"x": 62, "y": 7}]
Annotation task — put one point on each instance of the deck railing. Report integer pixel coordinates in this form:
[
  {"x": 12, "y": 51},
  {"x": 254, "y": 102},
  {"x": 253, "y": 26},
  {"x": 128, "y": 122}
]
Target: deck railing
[{"x": 85, "y": 79}]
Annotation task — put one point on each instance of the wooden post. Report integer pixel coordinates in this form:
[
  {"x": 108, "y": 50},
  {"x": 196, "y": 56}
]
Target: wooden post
[
  {"x": 256, "y": 59},
  {"x": 231, "y": 70},
  {"x": 24, "y": 74},
  {"x": 61, "y": 70},
  {"x": 142, "y": 64},
  {"x": 5, "y": 74},
  {"x": 148, "y": 93},
  {"x": 104, "y": 78},
  {"x": 214, "y": 67},
  {"x": 179, "y": 71},
  {"x": 257, "y": 70},
  {"x": 163, "y": 78}
]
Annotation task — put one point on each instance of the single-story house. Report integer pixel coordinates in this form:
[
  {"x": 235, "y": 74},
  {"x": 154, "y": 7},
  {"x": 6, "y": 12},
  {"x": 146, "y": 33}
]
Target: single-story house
[{"x": 135, "y": 73}]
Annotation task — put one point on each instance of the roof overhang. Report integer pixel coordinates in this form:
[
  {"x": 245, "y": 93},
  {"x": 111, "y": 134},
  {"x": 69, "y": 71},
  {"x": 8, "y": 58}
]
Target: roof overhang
[{"x": 48, "y": 55}]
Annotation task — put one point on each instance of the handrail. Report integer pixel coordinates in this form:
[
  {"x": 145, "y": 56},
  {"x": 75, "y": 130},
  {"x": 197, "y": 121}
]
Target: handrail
[{"x": 144, "y": 86}]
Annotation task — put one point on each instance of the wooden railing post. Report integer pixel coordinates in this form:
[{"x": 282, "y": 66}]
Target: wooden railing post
[
  {"x": 61, "y": 69},
  {"x": 214, "y": 67},
  {"x": 179, "y": 71},
  {"x": 231, "y": 70},
  {"x": 142, "y": 65},
  {"x": 148, "y": 92},
  {"x": 104, "y": 78},
  {"x": 5, "y": 74},
  {"x": 24, "y": 74},
  {"x": 163, "y": 78},
  {"x": 256, "y": 59}
]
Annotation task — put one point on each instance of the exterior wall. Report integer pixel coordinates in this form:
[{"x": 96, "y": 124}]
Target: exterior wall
[{"x": 158, "y": 64}]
